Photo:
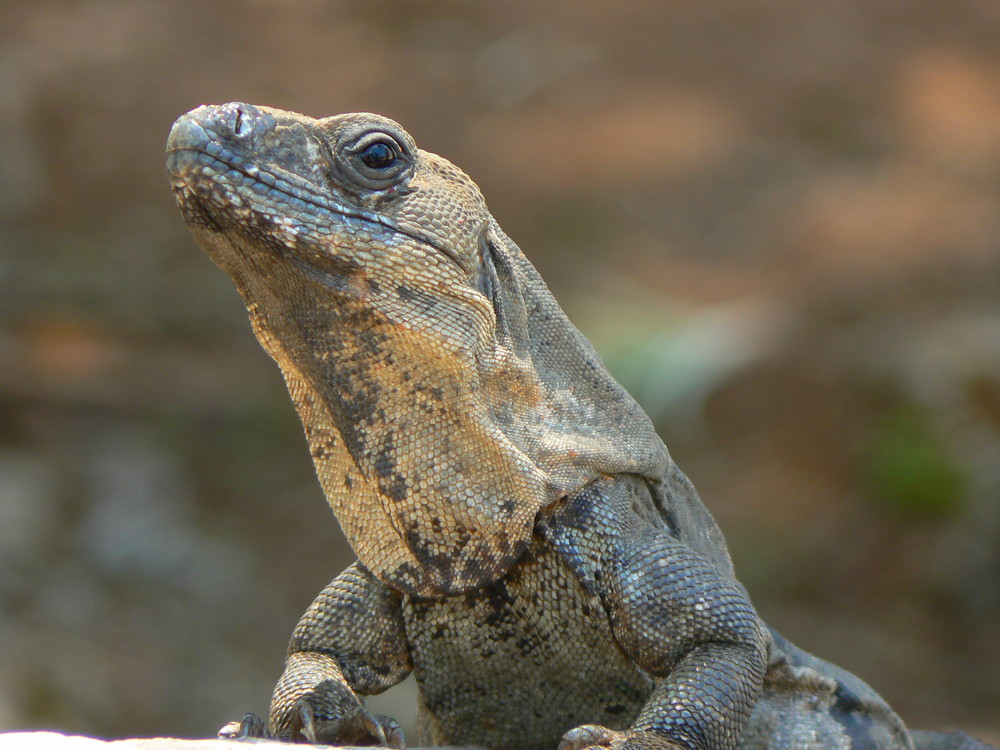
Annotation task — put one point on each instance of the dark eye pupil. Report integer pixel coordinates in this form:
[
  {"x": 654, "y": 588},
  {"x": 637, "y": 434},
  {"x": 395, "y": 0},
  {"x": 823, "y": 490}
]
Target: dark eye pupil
[{"x": 378, "y": 156}]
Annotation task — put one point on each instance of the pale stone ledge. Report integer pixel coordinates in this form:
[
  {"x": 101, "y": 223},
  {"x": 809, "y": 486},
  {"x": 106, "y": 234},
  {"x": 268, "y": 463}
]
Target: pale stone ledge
[{"x": 57, "y": 741}]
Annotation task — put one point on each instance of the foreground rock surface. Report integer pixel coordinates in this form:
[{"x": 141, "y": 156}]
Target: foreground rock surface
[
  {"x": 38, "y": 740},
  {"x": 59, "y": 741}
]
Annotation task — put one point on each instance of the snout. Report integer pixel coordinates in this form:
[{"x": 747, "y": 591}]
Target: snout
[{"x": 211, "y": 129}]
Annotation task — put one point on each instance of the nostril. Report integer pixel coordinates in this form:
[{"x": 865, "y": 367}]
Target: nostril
[
  {"x": 240, "y": 119},
  {"x": 242, "y": 124}
]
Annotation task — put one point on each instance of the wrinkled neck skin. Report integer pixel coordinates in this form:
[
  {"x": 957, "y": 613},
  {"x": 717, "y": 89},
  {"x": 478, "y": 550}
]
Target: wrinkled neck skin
[
  {"x": 434, "y": 498},
  {"x": 445, "y": 398}
]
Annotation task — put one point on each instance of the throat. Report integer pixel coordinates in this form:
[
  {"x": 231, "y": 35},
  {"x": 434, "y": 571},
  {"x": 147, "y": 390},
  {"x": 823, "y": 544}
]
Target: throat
[
  {"x": 433, "y": 496},
  {"x": 433, "y": 509}
]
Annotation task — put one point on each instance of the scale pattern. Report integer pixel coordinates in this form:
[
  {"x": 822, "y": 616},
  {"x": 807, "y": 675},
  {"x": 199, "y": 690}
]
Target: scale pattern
[{"x": 525, "y": 544}]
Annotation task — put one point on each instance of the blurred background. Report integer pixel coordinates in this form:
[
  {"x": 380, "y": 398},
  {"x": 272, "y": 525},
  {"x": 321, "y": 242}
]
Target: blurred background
[{"x": 778, "y": 220}]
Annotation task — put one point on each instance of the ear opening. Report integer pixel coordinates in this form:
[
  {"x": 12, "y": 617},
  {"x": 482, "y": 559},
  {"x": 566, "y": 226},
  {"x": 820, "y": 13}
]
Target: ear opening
[
  {"x": 499, "y": 283},
  {"x": 574, "y": 421}
]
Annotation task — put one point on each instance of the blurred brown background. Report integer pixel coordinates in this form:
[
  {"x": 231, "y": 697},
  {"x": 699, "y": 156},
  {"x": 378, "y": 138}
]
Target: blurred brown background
[{"x": 779, "y": 221}]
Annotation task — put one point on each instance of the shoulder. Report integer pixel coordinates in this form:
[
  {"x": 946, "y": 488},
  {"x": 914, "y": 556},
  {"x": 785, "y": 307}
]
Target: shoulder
[{"x": 589, "y": 527}]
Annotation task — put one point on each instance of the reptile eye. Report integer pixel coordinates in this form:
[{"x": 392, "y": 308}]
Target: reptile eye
[
  {"x": 378, "y": 155},
  {"x": 371, "y": 153}
]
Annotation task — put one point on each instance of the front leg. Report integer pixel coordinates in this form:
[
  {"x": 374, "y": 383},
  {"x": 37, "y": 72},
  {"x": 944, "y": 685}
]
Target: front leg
[
  {"x": 350, "y": 642},
  {"x": 693, "y": 629}
]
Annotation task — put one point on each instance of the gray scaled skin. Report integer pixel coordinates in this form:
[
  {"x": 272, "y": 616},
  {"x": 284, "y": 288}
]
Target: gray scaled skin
[{"x": 525, "y": 544}]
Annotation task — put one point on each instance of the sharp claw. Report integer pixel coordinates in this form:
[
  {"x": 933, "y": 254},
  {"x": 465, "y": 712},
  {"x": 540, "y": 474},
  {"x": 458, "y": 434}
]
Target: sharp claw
[
  {"x": 575, "y": 739},
  {"x": 248, "y": 726},
  {"x": 308, "y": 722},
  {"x": 374, "y": 727},
  {"x": 394, "y": 735},
  {"x": 588, "y": 735}
]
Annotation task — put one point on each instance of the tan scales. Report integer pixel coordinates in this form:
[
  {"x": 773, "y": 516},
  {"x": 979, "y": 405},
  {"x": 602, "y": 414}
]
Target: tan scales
[{"x": 526, "y": 545}]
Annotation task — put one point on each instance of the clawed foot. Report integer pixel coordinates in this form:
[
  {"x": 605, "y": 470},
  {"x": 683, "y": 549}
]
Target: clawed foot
[
  {"x": 247, "y": 727},
  {"x": 360, "y": 727},
  {"x": 596, "y": 736},
  {"x": 590, "y": 735}
]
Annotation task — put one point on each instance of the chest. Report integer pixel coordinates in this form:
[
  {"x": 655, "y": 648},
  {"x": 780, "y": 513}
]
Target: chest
[{"x": 521, "y": 661}]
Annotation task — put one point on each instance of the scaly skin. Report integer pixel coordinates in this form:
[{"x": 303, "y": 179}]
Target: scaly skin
[{"x": 526, "y": 546}]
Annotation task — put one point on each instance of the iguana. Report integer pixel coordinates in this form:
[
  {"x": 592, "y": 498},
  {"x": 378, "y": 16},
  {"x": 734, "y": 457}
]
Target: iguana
[{"x": 526, "y": 546}]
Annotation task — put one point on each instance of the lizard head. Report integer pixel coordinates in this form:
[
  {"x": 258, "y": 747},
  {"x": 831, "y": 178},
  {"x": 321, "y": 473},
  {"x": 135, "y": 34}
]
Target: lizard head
[{"x": 445, "y": 397}]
